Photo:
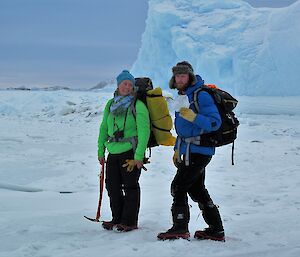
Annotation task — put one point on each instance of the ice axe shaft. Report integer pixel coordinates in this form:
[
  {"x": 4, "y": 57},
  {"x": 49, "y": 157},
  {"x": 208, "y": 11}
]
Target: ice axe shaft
[
  {"x": 100, "y": 195},
  {"x": 91, "y": 219}
]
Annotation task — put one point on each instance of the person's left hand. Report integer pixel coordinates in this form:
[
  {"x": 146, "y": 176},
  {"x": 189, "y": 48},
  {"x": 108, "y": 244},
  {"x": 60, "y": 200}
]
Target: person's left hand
[
  {"x": 130, "y": 164},
  {"x": 139, "y": 164},
  {"x": 187, "y": 114},
  {"x": 176, "y": 158}
]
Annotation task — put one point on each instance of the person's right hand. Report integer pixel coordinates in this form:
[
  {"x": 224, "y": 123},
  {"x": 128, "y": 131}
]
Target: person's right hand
[
  {"x": 176, "y": 158},
  {"x": 101, "y": 160}
]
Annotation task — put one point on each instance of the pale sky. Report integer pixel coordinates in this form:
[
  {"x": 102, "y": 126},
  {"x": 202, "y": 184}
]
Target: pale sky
[{"x": 72, "y": 43}]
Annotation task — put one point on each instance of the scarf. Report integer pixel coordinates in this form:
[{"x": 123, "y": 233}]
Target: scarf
[{"x": 120, "y": 104}]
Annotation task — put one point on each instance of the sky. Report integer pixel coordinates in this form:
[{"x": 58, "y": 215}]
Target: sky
[
  {"x": 71, "y": 42},
  {"x": 68, "y": 42}
]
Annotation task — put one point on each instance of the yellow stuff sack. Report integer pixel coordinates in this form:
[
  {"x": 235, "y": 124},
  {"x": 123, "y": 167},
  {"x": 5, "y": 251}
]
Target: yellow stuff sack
[{"x": 160, "y": 117}]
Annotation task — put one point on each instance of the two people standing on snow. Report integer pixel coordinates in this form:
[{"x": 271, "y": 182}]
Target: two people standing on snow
[{"x": 124, "y": 163}]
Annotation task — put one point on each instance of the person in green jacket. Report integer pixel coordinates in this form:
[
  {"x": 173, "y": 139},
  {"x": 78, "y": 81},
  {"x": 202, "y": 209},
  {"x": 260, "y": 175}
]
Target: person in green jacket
[{"x": 124, "y": 132}]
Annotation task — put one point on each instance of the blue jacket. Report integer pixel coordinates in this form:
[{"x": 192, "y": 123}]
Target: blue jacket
[{"x": 207, "y": 120}]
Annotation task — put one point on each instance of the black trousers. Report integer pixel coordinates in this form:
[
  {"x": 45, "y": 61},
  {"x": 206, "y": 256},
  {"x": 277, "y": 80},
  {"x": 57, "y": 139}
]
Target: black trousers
[
  {"x": 190, "y": 180},
  {"x": 123, "y": 189}
]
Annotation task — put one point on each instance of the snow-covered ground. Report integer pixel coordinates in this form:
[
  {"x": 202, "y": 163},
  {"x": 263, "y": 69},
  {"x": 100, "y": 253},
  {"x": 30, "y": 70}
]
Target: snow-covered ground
[{"x": 48, "y": 144}]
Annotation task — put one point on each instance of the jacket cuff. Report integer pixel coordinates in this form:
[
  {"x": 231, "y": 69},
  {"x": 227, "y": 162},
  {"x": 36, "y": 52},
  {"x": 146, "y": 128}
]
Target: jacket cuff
[
  {"x": 138, "y": 157},
  {"x": 100, "y": 153}
]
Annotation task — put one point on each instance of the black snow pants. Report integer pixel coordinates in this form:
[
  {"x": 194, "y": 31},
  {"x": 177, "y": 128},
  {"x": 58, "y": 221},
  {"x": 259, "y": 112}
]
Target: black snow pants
[
  {"x": 190, "y": 180},
  {"x": 123, "y": 189}
]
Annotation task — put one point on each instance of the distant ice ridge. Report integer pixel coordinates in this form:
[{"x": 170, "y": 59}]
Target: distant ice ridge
[
  {"x": 246, "y": 50},
  {"x": 67, "y": 106},
  {"x": 62, "y": 105}
]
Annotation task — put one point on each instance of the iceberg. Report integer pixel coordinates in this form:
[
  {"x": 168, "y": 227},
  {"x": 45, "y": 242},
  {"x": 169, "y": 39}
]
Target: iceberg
[{"x": 244, "y": 50}]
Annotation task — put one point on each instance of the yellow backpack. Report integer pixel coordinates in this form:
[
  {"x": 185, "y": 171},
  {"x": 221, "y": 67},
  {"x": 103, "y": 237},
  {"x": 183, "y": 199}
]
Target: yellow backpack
[{"x": 161, "y": 121}]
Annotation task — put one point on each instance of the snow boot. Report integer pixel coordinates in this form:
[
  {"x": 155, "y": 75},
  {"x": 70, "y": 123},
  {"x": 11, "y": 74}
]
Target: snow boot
[
  {"x": 212, "y": 217},
  {"x": 175, "y": 232},
  {"x": 211, "y": 234},
  {"x": 181, "y": 217},
  {"x": 108, "y": 225},
  {"x": 125, "y": 228}
]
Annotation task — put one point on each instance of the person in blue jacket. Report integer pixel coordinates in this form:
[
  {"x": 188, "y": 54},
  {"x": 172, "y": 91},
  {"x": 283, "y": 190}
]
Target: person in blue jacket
[{"x": 191, "y": 158}]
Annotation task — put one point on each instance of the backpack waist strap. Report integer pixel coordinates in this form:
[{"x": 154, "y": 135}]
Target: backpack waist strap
[
  {"x": 188, "y": 140},
  {"x": 132, "y": 140}
]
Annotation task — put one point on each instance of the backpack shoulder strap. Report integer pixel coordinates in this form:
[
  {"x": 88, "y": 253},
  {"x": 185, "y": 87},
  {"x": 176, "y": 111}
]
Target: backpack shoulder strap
[
  {"x": 195, "y": 98},
  {"x": 207, "y": 89},
  {"x": 133, "y": 108}
]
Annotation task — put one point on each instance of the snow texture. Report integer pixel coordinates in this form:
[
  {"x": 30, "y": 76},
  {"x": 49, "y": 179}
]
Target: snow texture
[{"x": 44, "y": 151}]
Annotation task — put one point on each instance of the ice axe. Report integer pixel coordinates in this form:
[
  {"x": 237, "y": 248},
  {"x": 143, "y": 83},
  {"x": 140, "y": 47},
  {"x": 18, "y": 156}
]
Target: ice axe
[{"x": 100, "y": 194}]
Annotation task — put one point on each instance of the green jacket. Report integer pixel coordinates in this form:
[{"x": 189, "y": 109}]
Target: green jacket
[{"x": 139, "y": 126}]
